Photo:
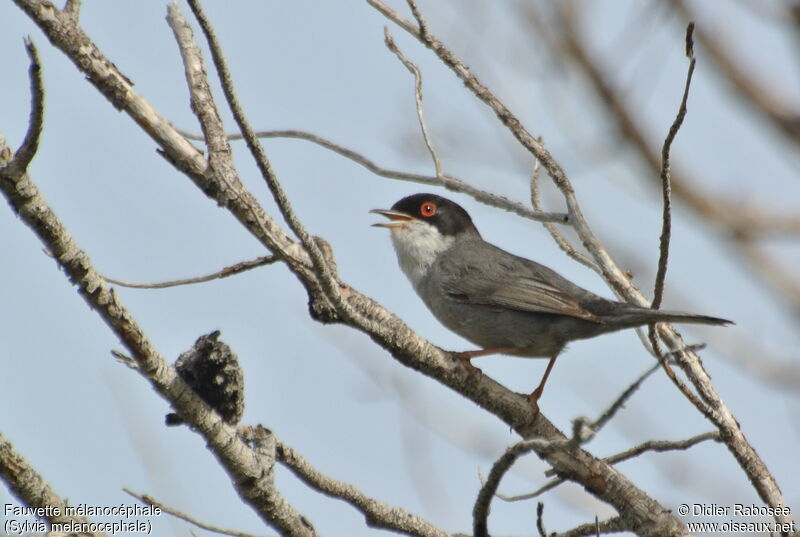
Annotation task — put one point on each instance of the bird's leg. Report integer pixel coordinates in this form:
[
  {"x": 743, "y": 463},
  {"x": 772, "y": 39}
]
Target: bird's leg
[
  {"x": 466, "y": 356},
  {"x": 533, "y": 398}
]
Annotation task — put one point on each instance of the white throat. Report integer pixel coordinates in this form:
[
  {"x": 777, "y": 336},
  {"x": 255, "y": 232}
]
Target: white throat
[{"x": 418, "y": 244}]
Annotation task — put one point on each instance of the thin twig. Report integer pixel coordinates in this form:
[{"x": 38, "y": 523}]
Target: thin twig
[
  {"x": 378, "y": 514},
  {"x": 661, "y": 446},
  {"x": 220, "y": 161},
  {"x": 560, "y": 239},
  {"x": 612, "y": 525},
  {"x": 423, "y": 26},
  {"x": 754, "y": 89},
  {"x": 125, "y": 360},
  {"x": 327, "y": 279},
  {"x": 620, "y": 401},
  {"x": 701, "y": 404},
  {"x": 414, "y": 70},
  {"x": 149, "y": 500},
  {"x": 450, "y": 183},
  {"x": 650, "y": 445},
  {"x": 30, "y": 144},
  {"x": 224, "y": 273},
  {"x": 666, "y": 185},
  {"x": 202, "y": 101},
  {"x": 217, "y": 175},
  {"x": 666, "y": 224},
  {"x": 584, "y": 430},
  {"x": 540, "y": 519},
  {"x": 73, "y": 9},
  {"x": 480, "y": 511},
  {"x": 350, "y": 154},
  {"x": 553, "y": 483}
]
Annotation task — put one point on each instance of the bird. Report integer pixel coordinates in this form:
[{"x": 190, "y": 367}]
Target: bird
[{"x": 501, "y": 302}]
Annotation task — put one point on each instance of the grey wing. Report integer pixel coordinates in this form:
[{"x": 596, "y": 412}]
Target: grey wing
[{"x": 499, "y": 280}]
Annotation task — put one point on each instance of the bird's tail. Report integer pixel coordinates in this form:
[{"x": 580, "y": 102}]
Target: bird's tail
[{"x": 640, "y": 316}]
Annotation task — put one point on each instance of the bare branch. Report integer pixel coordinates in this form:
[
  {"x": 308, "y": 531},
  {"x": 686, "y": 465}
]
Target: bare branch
[
  {"x": 480, "y": 511},
  {"x": 773, "y": 107},
  {"x": 562, "y": 241},
  {"x": 738, "y": 220},
  {"x": 414, "y": 70},
  {"x": 700, "y": 404},
  {"x": 661, "y": 446},
  {"x": 249, "y": 471},
  {"x": 336, "y": 148},
  {"x": 242, "y": 465},
  {"x": 324, "y": 272},
  {"x": 650, "y": 445},
  {"x": 65, "y": 34},
  {"x": 124, "y": 359},
  {"x": 29, "y": 486},
  {"x": 227, "y": 192},
  {"x": 264, "y": 446},
  {"x": 451, "y": 183},
  {"x": 540, "y": 519},
  {"x": 666, "y": 229},
  {"x": 27, "y": 150},
  {"x": 618, "y": 403},
  {"x": 612, "y": 525},
  {"x": 377, "y": 514},
  {"x": 583, "y": 431},
  {"x": 231, "y": 270},
  {"x": 202, "y": 100},
  {"x": 666, "y": 185},
  {"x": 73, "y": 9},
  {"x": 423, "y": 26},
  {"x": 149, "y": 500},
  {"x": 550, "y": 485}
]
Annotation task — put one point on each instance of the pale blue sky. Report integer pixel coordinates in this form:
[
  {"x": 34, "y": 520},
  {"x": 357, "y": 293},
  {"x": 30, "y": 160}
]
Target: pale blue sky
[{"x": 91, "y": 426}]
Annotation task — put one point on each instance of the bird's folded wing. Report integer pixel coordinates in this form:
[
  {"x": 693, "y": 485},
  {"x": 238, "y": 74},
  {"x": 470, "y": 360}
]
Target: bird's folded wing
[{"x": 507, "y": 289}]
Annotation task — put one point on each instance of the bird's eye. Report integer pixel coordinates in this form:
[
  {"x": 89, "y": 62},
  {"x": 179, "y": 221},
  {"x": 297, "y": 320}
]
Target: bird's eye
[{"x": 427, "y": 209}]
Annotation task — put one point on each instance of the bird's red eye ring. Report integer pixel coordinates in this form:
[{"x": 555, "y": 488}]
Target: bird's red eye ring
[{"x": 427, "y": 209}]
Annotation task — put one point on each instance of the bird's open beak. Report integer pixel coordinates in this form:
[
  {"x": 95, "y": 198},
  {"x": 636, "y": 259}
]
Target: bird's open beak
[{"x": 396, "y": 218}]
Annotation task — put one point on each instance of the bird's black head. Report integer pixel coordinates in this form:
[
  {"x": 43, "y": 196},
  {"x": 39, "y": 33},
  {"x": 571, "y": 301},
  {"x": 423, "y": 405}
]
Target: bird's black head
[{"x": 448, "y": 217}]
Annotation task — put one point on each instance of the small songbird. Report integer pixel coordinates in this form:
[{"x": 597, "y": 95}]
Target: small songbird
[{"x": 499, "y": 301}]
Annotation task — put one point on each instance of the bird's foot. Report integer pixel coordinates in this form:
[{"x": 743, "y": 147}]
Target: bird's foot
[
  {"x": 533, "y": 400},
  {"x": 466, "y": 359}
]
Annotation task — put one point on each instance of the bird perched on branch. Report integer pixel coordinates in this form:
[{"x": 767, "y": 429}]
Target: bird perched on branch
[{"x": 501, "y": 302}]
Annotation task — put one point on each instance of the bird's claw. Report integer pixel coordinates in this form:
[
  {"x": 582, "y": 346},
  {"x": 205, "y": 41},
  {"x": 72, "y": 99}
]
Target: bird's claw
[
  {"x": 533, "y": 400},
  {"x": 466, "y": 359}
]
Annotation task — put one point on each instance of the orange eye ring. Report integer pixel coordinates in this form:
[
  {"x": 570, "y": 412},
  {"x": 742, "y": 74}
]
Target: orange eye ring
[{"x": 427, "y": 209}]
